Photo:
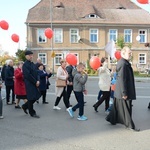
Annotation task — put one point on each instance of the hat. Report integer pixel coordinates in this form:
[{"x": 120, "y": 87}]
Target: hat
[{"x": 28, "y": 52}]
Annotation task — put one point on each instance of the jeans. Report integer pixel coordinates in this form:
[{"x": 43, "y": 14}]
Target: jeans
[{"x": 80, "y": 104}]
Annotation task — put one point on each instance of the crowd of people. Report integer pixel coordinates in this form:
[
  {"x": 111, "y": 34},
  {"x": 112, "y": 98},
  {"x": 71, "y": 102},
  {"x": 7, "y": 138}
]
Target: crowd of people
[{"x": 30, "y": 81}]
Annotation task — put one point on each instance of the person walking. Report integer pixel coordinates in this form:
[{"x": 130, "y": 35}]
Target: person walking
[
  {"x": 79, "y": 88},
  {"x": 124, "y": 93},
  {"x": 19, "y": 85},
  {"x": 32, "y": 83},
  {"x": 9, "y": 82},
  {"x": 104, "y": 84},
  {"x": 61, "y": 91},
  {"x": 1, "y": 101},
  {"x": 43, "y": 81}
]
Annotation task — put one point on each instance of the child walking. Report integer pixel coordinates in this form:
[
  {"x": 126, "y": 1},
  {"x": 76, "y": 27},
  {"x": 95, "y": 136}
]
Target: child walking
[{"x": 79, "y": 81}]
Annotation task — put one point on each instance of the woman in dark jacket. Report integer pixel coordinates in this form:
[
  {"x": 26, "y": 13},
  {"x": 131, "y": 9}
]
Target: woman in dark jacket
[{"x": 43, "y": 81}]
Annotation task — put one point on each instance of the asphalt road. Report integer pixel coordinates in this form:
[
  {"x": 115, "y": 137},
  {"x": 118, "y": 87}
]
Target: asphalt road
[{"x": 55, "y": 130}]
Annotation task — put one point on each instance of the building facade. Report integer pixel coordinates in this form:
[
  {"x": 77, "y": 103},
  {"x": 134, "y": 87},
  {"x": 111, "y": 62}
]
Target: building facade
[{"x": 84, "y": 27}]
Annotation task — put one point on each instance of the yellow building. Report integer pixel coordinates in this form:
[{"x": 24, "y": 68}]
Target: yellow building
[{"x": 84, "y": 27}]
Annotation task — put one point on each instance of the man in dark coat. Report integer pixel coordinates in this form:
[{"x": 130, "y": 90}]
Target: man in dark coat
[
  {"x": 124, "y": 93},
  {"x": 9, "y": 81},
  {"x": 31, "y": 83}
]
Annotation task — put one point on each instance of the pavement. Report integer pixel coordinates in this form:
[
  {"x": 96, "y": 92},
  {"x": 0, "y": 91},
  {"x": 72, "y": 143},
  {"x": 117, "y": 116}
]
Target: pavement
[{"x": 56, "y": 130}]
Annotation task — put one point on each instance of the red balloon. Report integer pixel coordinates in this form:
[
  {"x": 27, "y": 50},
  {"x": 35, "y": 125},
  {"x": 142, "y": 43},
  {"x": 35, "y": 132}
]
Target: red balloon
[
  {"x": 71, "y": 59},
  {"x": 143, "y": 1},
  {"x": 15, "y": 38},
  {"x": 95, "y": 62},
  {"x": 49, "y": 33},
  {"x": 118, "y": 55},
  {"x": 4, "y": 25}
]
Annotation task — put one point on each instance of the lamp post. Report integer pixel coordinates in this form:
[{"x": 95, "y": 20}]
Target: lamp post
[
  {"x": 148, "y": 66},
  {"x": 51, "y": 15}
]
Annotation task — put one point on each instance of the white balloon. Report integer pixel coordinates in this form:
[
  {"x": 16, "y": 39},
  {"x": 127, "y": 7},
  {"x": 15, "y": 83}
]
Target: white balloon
[{"x": 138, "y": 38}]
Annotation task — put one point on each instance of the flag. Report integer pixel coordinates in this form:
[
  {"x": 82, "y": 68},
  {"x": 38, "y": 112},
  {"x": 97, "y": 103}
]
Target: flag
[{"x": 110, "y": 48}]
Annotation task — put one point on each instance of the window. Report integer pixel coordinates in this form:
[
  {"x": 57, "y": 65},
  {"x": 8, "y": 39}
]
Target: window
[
  {"x": 43, "y": 57},
  {"x": 58, "y": 56},
  {"x": 143, "y": 36},
  {"x": 94, "y": 35},
  {"x": 58, "y": 35},
  {"x": 41, "y": 36},
  {"x": 113, "y": 34},
  {"x": 142, "y": 58},
  {"x": 74, "y": 33},
  {"x": 128, "y": 36}
]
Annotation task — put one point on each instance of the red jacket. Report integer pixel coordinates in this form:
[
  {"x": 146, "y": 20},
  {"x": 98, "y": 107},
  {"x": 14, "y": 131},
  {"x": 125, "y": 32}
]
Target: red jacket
[{"x": 19, "y": 84}]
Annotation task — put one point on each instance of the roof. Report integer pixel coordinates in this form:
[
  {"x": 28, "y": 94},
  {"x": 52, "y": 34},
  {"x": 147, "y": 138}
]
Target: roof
[{"x": 75, "y": 11}]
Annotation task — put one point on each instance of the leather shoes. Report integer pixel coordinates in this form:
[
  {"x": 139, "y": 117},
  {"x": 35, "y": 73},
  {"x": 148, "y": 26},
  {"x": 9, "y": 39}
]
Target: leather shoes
[
  {"x": 95, "y": 108},
  {"x": 25, "y": 110},
  {"x": 35, "y": 116}
]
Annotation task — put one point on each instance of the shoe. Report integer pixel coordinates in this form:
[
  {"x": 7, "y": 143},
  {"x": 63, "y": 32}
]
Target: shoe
[
  {"x": 149, "y": 106},
  {"x": 95, "y": 108},
  {"x": 18, "y": 107},
  {"x": 25, "y": 110},
  {"x": 1, "y": 117},
  {"x": 9, "y": 103},
  {"x": 82, "y": 118},
  {"x": 35, "y": 116},
  {"x": 133, "y": 129},
  {"x": 56, "y": 108},
  {"x": 107, "y": 112},
  {"x": 37, "y": 102},
  {"x": 13, "y": 102},
  {"x": 45, "y": 102},
  {"x": 70, "y": 111}
]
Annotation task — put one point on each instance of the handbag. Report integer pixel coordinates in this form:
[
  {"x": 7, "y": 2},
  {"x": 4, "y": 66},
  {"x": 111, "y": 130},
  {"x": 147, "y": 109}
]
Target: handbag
[{"x": 60, "y": 83}]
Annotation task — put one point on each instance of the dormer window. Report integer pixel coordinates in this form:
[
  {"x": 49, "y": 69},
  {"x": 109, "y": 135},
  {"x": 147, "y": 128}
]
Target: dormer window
[{"x": 92, "y": 16}]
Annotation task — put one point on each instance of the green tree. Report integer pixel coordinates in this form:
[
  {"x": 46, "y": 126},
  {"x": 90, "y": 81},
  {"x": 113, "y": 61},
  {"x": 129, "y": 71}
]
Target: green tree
[{"x": 21, "y": 55}]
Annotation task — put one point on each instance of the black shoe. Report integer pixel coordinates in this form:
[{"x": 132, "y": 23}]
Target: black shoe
[
  {"x": 25, "y": 110},
  {"x": 149, "y": 106},
  {"x": 133, "y": 129},
  {"x": 18, "y": 107},
  {"x": 95, "y": 108},
  {"x": 45, "y": 102},
  {"x": 35, "y": 116},
  {"x": 13, "y": 102}
]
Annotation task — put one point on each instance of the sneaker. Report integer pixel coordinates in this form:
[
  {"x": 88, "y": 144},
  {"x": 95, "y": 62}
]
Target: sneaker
[
  {"x": 70, "y": 111},
  {"x": 18, "y": 107},
  {"x": 1, "y": 117},
  {"x": 82, "y": 118},
  {"x": 56, "y": 108},
  {"x": 107, "y": 112}
]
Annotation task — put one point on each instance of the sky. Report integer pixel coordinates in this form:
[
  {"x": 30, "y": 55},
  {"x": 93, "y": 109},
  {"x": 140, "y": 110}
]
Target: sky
[{"x": 15, "y": 13}]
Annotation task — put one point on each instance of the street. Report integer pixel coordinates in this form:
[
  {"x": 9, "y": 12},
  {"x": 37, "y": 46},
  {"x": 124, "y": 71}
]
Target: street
[{"x": 56, "y": 130}]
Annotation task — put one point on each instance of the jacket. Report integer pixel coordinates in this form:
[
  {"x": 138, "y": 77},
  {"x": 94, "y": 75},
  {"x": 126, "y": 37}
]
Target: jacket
[
  {"x": 31, "y": 77},
  {"x": 9, "y": 74},
  {"x": 125, "y": 85},
  {"x": 79, "y": 82},
  {"x": 19, "y": 85}
]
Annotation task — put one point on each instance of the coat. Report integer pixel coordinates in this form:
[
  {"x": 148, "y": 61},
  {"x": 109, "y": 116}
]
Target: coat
[
  {"x": 9, "y": 76},
  {"x": 104, "y": 78},
  {"x": 31, "y": 77},
  {"x": 61, "y": 74},
  {"x": 19, "y": 85},
  {"x": 43, "y": 79},
  {"x": 125, "y": 85}
]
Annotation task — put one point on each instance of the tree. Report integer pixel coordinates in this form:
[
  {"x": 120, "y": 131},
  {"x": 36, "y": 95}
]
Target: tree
[{"x": 21, "y": 55}]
